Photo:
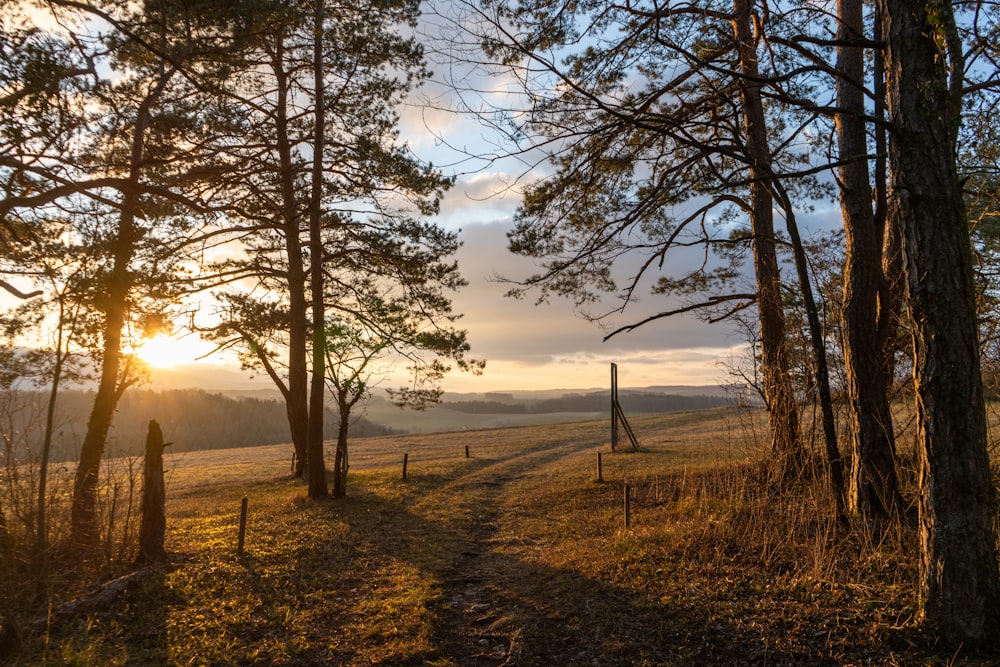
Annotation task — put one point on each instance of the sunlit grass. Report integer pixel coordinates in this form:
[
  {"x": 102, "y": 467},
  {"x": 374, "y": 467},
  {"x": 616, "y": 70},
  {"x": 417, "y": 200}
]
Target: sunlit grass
[{"x": 515, "y": 553}]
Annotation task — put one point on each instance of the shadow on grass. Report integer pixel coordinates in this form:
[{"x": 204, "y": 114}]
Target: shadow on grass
[
  {"x": 488, "y": 607},
  {"x": 489, "y": 603},
  {"x": 144, "y": 621},
  {"x": 427, "y": 572}
]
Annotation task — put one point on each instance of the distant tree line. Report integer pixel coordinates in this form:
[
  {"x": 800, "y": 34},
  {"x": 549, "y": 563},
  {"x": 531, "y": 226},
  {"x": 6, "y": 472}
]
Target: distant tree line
[
  {"x": 593, "y": 402},
  {"x": 191, "y": 419}
]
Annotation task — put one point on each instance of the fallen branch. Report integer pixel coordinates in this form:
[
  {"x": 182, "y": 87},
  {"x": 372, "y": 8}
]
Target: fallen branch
[{"x": 96, "y": 600}]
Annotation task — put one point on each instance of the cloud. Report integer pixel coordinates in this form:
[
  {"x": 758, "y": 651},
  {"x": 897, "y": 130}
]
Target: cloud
[
  {"x": 551, "y": 345},
  {"x": 480, "y": 199}
]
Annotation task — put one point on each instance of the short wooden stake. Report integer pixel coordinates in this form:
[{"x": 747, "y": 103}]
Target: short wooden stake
[
  {"x": 600, "y": 468},
  {"x": 406, "y": 458},
  {"x": 628, "y": 505},
  {"x": 466, "y": 451},
  {"x": 243, "y": 528}
]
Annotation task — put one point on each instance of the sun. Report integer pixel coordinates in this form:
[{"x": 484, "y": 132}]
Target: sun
[{"x": 163, "y": 351}]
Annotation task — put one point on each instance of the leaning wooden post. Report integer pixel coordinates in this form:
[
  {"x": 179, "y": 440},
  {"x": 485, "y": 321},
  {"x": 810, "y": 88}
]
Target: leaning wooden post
[
  {"x": 153, "y": 526},
  {"x": 243, "y": 527},
  {"x": 614, "y": 407},
  {"x": 406, "y": 458},
  {"x": 618, "y": 415}
]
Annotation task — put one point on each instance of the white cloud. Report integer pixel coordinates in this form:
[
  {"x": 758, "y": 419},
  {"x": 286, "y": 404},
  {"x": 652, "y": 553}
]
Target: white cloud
[{"x": 550, "y": 346}]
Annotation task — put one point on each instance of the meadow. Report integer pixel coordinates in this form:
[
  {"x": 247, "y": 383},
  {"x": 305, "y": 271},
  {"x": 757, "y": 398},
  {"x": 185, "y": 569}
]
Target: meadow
[{"x": 513, "y": 555}]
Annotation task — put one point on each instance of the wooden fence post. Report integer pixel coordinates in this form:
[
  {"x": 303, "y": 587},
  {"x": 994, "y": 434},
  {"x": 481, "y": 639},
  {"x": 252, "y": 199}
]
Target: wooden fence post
[
  {"x": 628, "y": 505},
  {"x": 600, "y": 468},
  {"x": 406, "y": 458},
  {"x": 243, "y": 528},
  {"x": 153, "y": 523},
  {"x": 466, "y": 451}
]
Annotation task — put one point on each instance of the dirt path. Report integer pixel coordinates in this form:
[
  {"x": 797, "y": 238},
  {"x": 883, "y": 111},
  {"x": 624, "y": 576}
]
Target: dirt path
[
  {"x": 483, "y": 612},
  {"x": 470, "y": 626}
]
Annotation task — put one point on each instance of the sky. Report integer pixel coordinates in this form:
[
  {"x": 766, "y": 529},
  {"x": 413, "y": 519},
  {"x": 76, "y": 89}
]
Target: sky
[
  {"x": 529, "y": 346},
  {"x": 549, "y": 346},
  {"x": 526, "y": 346}
]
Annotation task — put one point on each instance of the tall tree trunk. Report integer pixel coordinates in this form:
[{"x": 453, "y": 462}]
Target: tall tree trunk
[
  {"x": 782, "y": 409},
  {"x": 960, "y": 585},
  {"x": 893, "y": 287},
  {"x": 874, "y": 490},
  {"x": 4, "y": 536},
  {"x": 84, "y": 529},
  {"x": 83, "y": 512},
  {"x": 834, "y": 460},
  {"x": 41, "y": 535},
  {"x": 296, "y": 398},
  {"x": 317, "y": 467},
  {"x": 297, "y": 401}
]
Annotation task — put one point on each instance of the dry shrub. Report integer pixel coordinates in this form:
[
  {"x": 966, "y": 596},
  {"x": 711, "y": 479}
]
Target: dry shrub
[
  {"x": 736, "y": 515},
  {"x": 37, "y": 580}
]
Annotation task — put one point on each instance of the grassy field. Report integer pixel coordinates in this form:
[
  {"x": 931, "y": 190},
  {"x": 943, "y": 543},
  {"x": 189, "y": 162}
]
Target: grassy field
[
  {"x": 437, "y": 419},
  {"x": 516, "y": 555}
]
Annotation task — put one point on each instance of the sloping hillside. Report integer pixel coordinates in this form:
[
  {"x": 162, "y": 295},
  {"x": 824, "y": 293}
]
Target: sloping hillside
[{"x": 514, "y": 555}]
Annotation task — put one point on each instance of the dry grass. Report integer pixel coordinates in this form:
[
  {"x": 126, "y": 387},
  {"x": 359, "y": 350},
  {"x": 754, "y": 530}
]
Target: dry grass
[{"x": 516, "y": 555}]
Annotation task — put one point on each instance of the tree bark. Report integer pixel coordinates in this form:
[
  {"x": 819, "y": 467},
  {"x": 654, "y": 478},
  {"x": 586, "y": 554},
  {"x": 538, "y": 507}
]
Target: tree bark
[
  {"x": 782, "y": 409},
  {"x": 153, "y": 522},
  {"x": 84, "y": 530},
  {"x": 42, "y": 531},
  {"x": 317, "y": 466},
  {"x": 296, "y": 400},
  {"x": 960, "y": 585},
  {"x": 893, "y": 288},
  {"x": 834, "y": 460},
  {"x": 4, "y": 535},
  {"x": 874, "y": 489}
]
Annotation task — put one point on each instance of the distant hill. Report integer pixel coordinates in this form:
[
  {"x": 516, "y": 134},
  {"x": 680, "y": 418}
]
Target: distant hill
[
  {"x": 460, "y": 411},
  {"x": 252, "y": 414},
  {"x": 232, "y": 382},
  {"x": 688, "y": 390},
  {"x": 630, "y": 400},
  {"x": 521, "y": 395},
  {"x": 191, "y": 419},
  {"x": 223, "y": 379}
]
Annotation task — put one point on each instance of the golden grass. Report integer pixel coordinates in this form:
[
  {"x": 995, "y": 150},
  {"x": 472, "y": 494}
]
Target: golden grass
[{"x": 516, "y": 555}]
